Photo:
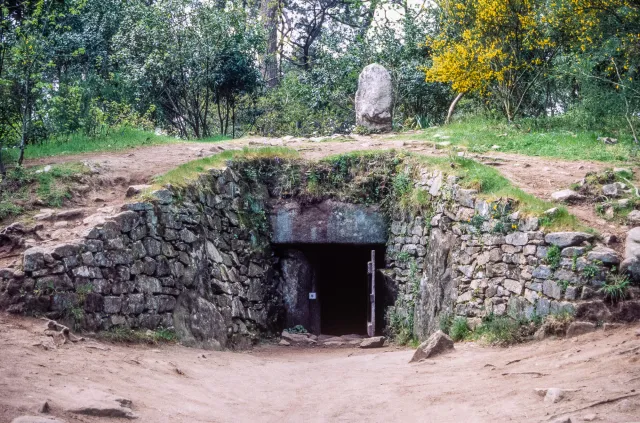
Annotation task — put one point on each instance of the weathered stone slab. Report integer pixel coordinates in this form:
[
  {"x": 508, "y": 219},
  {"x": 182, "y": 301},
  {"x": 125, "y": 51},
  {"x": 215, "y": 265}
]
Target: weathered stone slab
[
  {"x": 329, "y": 222},
  {"x": 567, "y": 239},
  {"x": 374, "y": 342}
]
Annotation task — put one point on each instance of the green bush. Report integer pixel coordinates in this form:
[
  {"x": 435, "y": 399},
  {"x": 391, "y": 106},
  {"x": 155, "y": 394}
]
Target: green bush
[
  {"x": 553, "y": 256},
  {"x": 121, "y": 334},
  {"x": 459, "y": 329},
  {"x": 503, "y": 330},
  {"x": 445, "y": 322},
  {"x": 296, "y": 329},
  {"x": 615, "y": 289}
]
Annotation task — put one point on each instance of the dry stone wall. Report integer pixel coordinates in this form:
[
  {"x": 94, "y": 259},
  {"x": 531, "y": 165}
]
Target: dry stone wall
[
  {"x": 187, "y": 262},
  {"x": 198, "y": 260},
  {"x": 470, "y": 257}
]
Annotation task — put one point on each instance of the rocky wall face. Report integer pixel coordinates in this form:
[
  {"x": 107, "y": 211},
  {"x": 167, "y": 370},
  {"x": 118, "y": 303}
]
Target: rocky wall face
[
  {"x": 188, "y": 263},
  {"x": 472, "y": 258}
]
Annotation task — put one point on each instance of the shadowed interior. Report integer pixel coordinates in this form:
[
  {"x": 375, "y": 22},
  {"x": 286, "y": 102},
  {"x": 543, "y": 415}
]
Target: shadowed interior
[{"x": 340, "y": 273}]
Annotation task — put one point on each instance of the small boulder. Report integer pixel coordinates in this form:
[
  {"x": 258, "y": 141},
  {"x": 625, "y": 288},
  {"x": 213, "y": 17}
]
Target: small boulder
[
  {"x": 632, "y": 244},
  {"x": 91, "y": 402},
  {"x": 45, "y": 214},
  {"x": 631, "y": 266},
  {"x": 70, "y": 214},
  {"x": 594, "y": 311},
  {"x": 298, "y": 339},
  {"x": 134, "y": 190},
  {"x": 611, "y": 190},
  {"x": 605, "y": 255},
  {"x": 580, "y": 328},
  {"x": 36, "y": 419},
  {"x": 551, "y": 395},
  {"x": 567, "y": 196},
  {"x": 633, "y": 218},
  {"x": 373, "y": 342},
  {"x": 437, "y": 344},
  {"x": 551, "y": 212}
]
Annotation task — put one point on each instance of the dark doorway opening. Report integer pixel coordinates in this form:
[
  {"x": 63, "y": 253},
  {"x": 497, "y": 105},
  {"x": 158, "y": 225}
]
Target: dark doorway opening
[{"x": 340, "y": 280}]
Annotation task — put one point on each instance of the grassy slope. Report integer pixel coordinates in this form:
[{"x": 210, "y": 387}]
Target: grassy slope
[
  {"x": 117, "y": 140},
  {"x": 27, "y": 189},
  {"x": 480, "y": 135},
  {"x": 189, "y": 171},
  {"x": 487, "y": 180}
]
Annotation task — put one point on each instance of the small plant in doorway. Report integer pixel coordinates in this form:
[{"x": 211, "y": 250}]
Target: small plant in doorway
[{"x": 296, "y": 329}]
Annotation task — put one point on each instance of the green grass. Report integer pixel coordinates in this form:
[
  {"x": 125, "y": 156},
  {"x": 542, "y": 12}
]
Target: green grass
[
  {"x": 503, "y": 330},
  {"x": 23, "y": 186},
  {"x": 119, "y": 139},
  {"x": 480, "y": 135},
  {"x": 492, "y": 186},
  {"x": 188, "y": 172},
  {"x": 616, "y": 287},
  {"x": 131, "y": 336}
]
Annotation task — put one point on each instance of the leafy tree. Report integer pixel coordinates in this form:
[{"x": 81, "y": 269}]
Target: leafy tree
[
  {"x": 605, "y": 55},
  {"x": 190, "y": 58},
  {"x": 29, "y": 30},
  {"x": 499, "y": 49}
]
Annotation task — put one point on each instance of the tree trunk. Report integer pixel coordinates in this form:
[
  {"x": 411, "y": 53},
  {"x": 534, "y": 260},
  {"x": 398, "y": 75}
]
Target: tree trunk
[
  {"x": 453, "y": 107},
  {"x": 226, "y": 123},
  {"x": 25, "y": 123},
  {"x": 269, "y": 10},
  {"x": 233, "y": 121},
  {"x": 220, "y": 118},
  {"x": 3, "y": 170}
]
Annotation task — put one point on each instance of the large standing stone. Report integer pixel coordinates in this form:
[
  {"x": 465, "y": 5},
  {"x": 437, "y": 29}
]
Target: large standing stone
[
  {"x": 374, "y": 99},
  {"x": 437, "y": 343}
]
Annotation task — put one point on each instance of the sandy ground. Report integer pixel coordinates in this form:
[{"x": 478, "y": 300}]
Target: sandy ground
[{"x": 280, "y": 384}]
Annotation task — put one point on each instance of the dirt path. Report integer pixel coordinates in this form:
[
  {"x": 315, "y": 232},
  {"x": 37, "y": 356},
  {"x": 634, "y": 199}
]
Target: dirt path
[
  {"x": 115, "y": 172},
  {"x": 278, "y": 384}
]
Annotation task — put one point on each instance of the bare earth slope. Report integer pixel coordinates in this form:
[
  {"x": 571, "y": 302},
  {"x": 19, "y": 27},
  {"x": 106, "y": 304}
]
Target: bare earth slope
[{"x": 279, "y": 384}]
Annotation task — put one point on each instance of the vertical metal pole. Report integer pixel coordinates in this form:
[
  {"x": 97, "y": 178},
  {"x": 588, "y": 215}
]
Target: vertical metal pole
[{"x": 371, "y": 270}]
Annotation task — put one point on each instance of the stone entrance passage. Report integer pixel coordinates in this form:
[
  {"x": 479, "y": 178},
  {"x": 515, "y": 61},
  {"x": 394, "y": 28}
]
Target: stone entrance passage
[{"x": 325, "y": 287}]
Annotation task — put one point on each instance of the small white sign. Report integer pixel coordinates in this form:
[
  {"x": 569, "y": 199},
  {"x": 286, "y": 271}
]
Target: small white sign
[{"x": 312, "y": 295}]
